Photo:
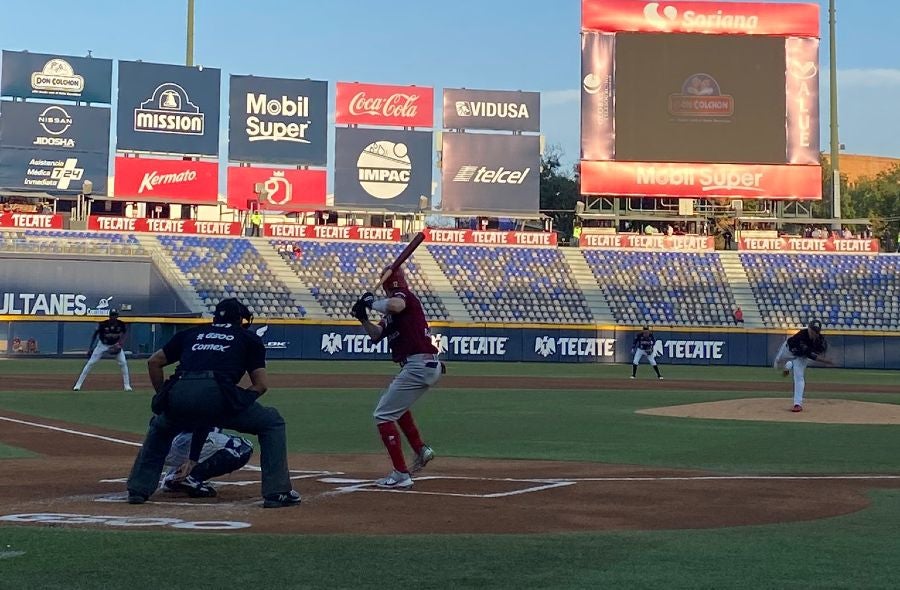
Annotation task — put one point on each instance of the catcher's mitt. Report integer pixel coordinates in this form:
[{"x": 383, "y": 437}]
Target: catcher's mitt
[{"x": 359, "y": 311}]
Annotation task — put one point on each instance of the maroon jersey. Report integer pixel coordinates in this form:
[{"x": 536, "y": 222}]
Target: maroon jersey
[{"x": 407, "y": 332}]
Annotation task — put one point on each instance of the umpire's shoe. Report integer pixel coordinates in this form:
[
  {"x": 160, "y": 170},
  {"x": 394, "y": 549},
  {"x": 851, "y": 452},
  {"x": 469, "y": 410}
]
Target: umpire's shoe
[
  {"x": 291, "y": 498},
  {"x": 136, "y": 498}
]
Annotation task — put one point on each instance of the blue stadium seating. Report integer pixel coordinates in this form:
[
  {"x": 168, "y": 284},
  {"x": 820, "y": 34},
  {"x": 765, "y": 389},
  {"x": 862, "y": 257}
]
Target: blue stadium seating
[
  {"x": 338, "y": 272},
  {"x": 513, "y": 284},
  {"x": 219, "y": 268},
  {"x": 841, "y": 291},
  {"x": 663, "y": 288},
  {"x": 71, "y": 242}
]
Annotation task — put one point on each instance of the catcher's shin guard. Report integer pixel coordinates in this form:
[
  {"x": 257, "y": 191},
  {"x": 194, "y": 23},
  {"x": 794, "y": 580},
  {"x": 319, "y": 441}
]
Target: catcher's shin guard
[{"x": 222, "y": 462}]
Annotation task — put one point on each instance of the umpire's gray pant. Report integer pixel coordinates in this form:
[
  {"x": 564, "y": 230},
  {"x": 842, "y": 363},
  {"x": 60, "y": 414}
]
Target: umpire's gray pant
[{"x": 420, "y": 372}]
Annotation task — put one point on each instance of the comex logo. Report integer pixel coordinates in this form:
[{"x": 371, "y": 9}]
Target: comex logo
[
  {"x": 384, "y": 169},
  {"x": 57, "y": 77},
  {"x": 55, "y": 121},
  {"x": 485, "y": 175},
  {"x": 169, "y": 110},
  {"x": 331, "y": 343},
  {"x": 545, "y": 346},
  {"x": 653, "y": 16}
]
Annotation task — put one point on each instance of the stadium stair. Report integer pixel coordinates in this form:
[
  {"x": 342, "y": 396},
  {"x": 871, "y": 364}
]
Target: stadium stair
[
  {"x": 737, "y": 279},
  {"x": 299, "y": 291},
  {"x": 456, "y": 311},
  {"x": 584, "y": 280},
  {"x": 172, "y": 273}
]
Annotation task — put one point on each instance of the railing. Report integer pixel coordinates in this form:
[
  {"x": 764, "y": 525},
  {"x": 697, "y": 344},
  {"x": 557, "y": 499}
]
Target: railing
[{"x": 66, "y": 246}]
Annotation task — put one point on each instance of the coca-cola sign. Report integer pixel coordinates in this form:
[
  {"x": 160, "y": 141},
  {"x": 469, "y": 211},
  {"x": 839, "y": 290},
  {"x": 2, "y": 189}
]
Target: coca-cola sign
[
  {"x": 152, "y": 179},
  {"x": 598, "y": 241},
  {"x": 378, "y": 104},
  {"x": 164, "y": 226},
  {"x": 294, "y": 231}
]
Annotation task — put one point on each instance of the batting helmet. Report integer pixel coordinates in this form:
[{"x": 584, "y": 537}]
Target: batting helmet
[
  {"x": 233, "y": 311},
  {"x": 396, "y": 280}
]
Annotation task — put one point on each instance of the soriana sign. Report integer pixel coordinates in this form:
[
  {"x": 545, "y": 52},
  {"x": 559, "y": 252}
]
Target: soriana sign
[
  {"x": 295, "y": 231},
  {"x": 378, "y": 104},
  {"x": 722, "y": 18},
  {"x": 493, "y": 238},
  {"x": 849, "y": 246},
  {"x": 31, "y": 221},
  {"x": 285, "y": 189},
  {"x": 164, "y": 226},
  {"x": 151, "y": 179},
  {"x": 640, "y": 242},
  {"x": 738, "y": 181}
]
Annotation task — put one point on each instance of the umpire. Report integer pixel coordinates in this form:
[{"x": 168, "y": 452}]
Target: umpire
[{"x": 203, "y": 393}]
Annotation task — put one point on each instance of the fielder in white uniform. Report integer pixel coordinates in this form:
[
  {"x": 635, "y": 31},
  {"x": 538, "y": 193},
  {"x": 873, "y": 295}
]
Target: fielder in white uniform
[
  {"x": 110, "y": 335},
  {"x": 796, "y": 353},
  {"x": 643, "y": 347}
]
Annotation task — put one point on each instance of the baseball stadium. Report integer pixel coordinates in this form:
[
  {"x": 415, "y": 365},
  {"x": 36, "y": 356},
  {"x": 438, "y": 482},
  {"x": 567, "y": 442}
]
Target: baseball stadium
[{"x": 241, "y": 289}]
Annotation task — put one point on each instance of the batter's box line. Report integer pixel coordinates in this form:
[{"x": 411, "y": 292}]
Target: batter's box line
[
  {"x": 295, "y": 474},
  {"x": 369, "y": 486},
  {"x": 873, "y": 477}
]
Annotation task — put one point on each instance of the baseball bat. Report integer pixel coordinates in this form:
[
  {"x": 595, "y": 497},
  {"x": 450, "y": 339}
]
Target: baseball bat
[{"x": 401, "y": 258}]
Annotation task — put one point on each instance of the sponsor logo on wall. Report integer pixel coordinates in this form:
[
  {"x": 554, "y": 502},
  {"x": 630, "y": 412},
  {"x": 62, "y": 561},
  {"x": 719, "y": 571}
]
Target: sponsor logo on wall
[
  {"x": 333, "y": 343},
  {"x": 387, "y": 169},
  {"x": 278, "y": 120},
  {"x": 285, "y": 189},
  {"x": 271, "y": 344},
  {"x": 470, "y": 345},
  {"x": 492, "y": 109},
  {"x": 701, "y": 98},
  {"x": 57, "y": 77},
  {"x": 382, "y": 105},
  {"x": 568, "y": 347},
  {"x": 181, "y": 179},
  {"x": 169, "y": 110},
  {"x": 690, "y": 349}
]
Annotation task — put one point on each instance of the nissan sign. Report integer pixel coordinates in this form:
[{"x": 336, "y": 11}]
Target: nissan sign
[
  {"x": 492, "y": 109},
  {"x": 490, "y": 173},
  {"x": 278, "y": 120}
]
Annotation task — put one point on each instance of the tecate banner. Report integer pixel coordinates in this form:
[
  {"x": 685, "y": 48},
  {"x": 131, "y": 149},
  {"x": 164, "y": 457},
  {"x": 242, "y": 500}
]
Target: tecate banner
[
  {"x": 151, "y": 179},
  {"x": 717, "y": 18},
  {"x": 56, "y": 77},
  {"x": 164, "y": 226},
  {"x": 382, "y": 168},
  {"x": 500, "y": 110},
  {"x": 382, "y": 105},
  {"x": 285, "y": 189},
  {"x": 737, "y": 181},
  {"x": 168, "y": 109},
  {"x": 62, "y": 127},
  {"x": 278, "y": 121},
  {"x": 490, "y": 173},
  {"x": 53, "y": 171}
]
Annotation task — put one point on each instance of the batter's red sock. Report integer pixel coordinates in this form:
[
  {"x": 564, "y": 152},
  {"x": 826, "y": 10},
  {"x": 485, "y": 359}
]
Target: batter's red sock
[
  {"x": 408, "y": 426},
  {"x": 390, "y": 436}
]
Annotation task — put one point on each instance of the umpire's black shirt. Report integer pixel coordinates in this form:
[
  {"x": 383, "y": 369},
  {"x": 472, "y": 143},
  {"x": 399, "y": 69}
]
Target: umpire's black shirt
[{"x": 227, "y": 349}]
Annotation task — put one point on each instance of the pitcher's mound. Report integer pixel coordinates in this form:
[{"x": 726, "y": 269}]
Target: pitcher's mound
[{"x": 768, "y": 409}]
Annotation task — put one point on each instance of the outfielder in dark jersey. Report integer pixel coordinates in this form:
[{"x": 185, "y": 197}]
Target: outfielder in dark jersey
[
  {"x": 110, "y": 337},
  {"x": 643, "y": 347},
  {"x": 406, "y": 329},
  {"x": 204, "y": 393}
]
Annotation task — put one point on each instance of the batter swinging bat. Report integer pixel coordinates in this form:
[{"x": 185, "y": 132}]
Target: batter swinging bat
[{"x": 407, "y": 252}]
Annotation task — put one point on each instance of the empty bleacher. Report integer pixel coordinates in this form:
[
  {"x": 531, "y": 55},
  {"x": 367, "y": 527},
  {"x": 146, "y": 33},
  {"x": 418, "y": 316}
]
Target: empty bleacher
[
  {"x": 70, "y": 242},
  {"x": 219, "y": 268},
  {"x": 513, "y": 284},
  {"x": 842, "y": 291},
  {"x": 663, "y": 288},
  {"x": 337, "y": 273}
]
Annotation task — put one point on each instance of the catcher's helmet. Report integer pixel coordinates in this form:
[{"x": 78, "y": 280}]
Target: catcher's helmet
[
  {"x": 233, "y": 311},
  {"x": 396, "y": 280}
]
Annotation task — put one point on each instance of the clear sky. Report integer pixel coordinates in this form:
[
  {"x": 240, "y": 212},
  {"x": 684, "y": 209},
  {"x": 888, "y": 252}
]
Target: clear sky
[{"x": 503, "y": 44}]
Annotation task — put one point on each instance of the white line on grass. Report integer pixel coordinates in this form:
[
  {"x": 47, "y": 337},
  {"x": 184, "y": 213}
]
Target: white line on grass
[{"x": 70, "y": 431}]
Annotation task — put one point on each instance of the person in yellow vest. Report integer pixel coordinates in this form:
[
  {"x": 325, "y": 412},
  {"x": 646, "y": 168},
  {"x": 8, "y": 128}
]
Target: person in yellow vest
[
  {"x": 255, "y": 223},
  {"x": 576, "y": 235}
]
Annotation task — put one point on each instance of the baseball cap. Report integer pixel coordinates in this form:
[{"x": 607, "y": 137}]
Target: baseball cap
[
  {"x": 815, "y": 326},
  {"x": 113, "y": 313}
]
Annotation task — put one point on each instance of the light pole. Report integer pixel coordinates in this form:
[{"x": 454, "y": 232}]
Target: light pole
[
  {"x": 835, "y": 142},
  {"x": 189, "y": 50}
]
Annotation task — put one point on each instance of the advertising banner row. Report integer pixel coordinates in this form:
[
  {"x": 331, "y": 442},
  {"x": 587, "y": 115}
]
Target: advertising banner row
[{"x": 324, "y": 342}]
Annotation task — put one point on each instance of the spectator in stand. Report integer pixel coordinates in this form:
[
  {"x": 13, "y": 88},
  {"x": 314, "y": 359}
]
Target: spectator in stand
[
  {"x": 808, "y": 232},
  {"x": 255, "y": 223},
  {"x": 728, "y": 237},
  {"x": 867, "y": 233},
  {"x": 738, "y": 315},
  {"x": 31, "y": 347},
  {"x": 17, "y": 345},
  {"x": 669, "y": 229},
  {"x": 847, "y": 234},
  {"x": 297, "y": 251},
  {"x": 576, "y": 234}
]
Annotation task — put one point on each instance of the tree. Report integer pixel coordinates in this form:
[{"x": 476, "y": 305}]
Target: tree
[
  {"x": 878, "y": 199},
  {"x": 559, "y": 190}
]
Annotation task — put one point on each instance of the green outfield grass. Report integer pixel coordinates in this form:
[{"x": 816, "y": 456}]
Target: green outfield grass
[{"x": 855, "y": 551}]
